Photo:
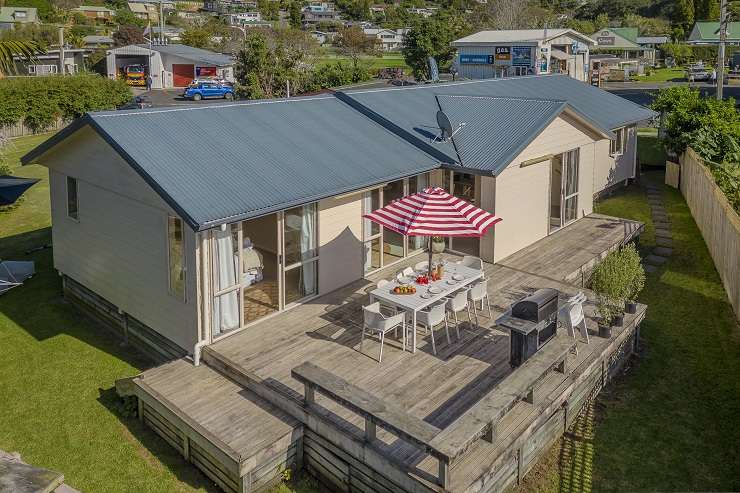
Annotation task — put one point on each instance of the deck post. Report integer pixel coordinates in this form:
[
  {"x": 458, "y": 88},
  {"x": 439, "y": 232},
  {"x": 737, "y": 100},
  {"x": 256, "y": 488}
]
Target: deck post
[
  {"x": 308, "y": 394},
  {"x": 370, "y": 430},
  {"x": 444, "y": 474}
]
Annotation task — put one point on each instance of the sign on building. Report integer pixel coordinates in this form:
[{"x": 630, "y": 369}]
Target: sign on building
[
  {"x": 476, "y": 59},
  {"x": 503, "y": 53},
  {"x": 605, "y": 40},
  {"x": 521, "y": 56}
]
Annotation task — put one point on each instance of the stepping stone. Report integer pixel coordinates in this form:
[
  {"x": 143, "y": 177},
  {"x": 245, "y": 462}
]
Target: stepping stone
[
  {"x": 664, "y": 242},
  {"x": 655, "y": 195},
  {"x": 650, "y": 186},
  {"x": 655, "y": 202},
  {"x": 663, "y": 233},
  {"x": 657, "y": 208},
  {"x": 663, "y": 251},
  {"x": 649, "y": 268},
  {"x": 655, "y": 260}
]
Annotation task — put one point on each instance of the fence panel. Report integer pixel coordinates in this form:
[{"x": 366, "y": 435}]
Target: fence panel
[{"x": 21, "y": 130}]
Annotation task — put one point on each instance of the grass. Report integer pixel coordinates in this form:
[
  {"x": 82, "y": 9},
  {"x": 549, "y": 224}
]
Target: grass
[
  {"x": 650, "y": 151},
  {"x": 671, "y": 422},
  {"x": 58, "y": 408},
  {"x": 663, "y": 75},
  {"x": 375, "y": 63}
]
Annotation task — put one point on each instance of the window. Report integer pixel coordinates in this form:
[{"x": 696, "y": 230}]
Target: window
[
  {"x": 618, "y": 144},
  {"x": 72, "y": 202},
  {"x": 176, "y": 256}
]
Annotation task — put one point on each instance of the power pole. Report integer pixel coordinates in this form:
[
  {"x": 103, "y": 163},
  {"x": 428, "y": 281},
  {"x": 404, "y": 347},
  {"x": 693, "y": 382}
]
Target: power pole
[
  {"x": 721, "y": 53},
  {"x": 61, "y": 51}
]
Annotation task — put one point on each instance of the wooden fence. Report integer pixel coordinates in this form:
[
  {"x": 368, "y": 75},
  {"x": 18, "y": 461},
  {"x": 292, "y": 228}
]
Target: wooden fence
[
  {"x": 717, "y": 221},
  {"x": 21, "y": 130}
]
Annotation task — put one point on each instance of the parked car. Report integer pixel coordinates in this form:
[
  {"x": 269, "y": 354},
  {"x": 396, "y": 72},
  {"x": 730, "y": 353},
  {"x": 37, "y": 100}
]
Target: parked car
[
  {"x": 205, "y": 90},
  {"x": 138, "y": 102},
  {"x": 697, "y": 73}
]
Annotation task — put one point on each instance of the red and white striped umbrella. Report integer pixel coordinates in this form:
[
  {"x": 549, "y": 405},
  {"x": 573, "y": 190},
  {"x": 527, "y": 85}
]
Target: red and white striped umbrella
[{"x": 433, "y": 212}]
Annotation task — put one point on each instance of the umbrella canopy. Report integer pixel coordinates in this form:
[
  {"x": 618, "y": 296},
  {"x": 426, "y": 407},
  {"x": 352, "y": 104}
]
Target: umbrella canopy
[
  {"x": 12, "y": 187},
  {"x": 434, "y": 212}
]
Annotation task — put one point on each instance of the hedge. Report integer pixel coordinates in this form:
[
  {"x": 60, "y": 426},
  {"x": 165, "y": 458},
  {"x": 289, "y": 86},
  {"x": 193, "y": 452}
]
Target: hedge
[{"x": 39, "y": 101}]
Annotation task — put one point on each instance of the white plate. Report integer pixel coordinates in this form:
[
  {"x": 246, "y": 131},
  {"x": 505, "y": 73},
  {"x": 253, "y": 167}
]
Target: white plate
[
  {"x": 405, "y": 280},
  {"x": 434, "y": 290},
  {"x": 425, "y": 295},
  {"x": 451, "y": 281},
  {"x": 458, "y": 277}
]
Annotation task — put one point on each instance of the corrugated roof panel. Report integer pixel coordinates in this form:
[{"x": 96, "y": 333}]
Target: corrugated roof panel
[
  {"x": 224, "y": 162},
  {"x": 496, "y": 130}
]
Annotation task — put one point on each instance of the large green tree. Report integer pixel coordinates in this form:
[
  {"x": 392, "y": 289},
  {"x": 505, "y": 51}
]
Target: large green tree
[
  {"x": 431, "y": 36},
  {"x": 683, "y": 14}
]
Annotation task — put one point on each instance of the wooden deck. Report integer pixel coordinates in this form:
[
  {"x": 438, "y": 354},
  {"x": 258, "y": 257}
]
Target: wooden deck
[{"x": 261, "y": 403}]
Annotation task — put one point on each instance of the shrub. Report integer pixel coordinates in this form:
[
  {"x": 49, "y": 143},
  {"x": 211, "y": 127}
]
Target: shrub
[
  {"x": 610, "y": 282},
  {"x": 39, "y": 101},
  {"x": 630, "y": 260}
]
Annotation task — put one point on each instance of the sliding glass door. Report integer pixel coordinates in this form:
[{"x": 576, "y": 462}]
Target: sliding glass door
[
  {"x": 564, "y": 176},
  {"x": 301, "y": 253}
]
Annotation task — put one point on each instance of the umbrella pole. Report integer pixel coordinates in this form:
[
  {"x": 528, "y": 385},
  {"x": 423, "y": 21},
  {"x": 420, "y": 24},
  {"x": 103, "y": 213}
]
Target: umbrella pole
[{"x": 429, "y": 265}]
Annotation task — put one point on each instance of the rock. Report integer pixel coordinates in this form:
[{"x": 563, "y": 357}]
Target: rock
[
  {"x": 649, "y": 268},
  {"x": 663, "y": 251},
  {"x": 664, "y": 242},
  {"x": 655, "y": 260},
  {"x": 663, "y": 233}
]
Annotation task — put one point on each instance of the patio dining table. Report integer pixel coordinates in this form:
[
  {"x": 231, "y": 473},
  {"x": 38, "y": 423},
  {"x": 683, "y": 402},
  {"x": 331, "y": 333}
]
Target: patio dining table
[{"x": 455, "y": 277}]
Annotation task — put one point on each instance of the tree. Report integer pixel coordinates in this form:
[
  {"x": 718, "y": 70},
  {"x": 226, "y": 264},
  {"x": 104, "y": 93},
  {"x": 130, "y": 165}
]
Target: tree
[
  {"x": 354, "y": 43},
  {"x": 9, "y": 49},
  {"x": 706, "y": 10},
  {"x": 683, "y": 14},
  {"x": 295, "y": 14},
  {"x": 128, "y": 35},
  {"x": 197, "y": 37},
  {"x": 432, "y": 36},
  {"x": 124, "y": 17}
]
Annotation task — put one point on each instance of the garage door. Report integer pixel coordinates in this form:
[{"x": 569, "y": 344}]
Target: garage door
[{"x": 182, "y": 74}]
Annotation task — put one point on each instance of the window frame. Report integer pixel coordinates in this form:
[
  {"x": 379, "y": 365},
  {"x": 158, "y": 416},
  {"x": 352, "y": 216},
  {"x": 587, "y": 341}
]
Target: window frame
[
  {"x": 618, "y": 145},
  {"x": 76, "y": 216},
  {"x": 183, "y": 267}
]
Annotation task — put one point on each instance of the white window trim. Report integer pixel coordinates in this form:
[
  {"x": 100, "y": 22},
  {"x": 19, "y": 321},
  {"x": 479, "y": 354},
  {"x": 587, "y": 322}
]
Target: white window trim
[
  {"x": 77, "y": 198},
  {"x": 619, "y": 152}
]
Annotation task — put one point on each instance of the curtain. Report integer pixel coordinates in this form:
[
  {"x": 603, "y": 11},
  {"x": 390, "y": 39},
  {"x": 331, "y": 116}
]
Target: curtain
[
  {"x": 308, "y": 248},
  {"x": 226, "y": 306}
]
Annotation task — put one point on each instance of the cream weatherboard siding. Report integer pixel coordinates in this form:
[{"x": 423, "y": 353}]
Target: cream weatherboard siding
[
  {"x": 610, "y": 171},
  {"x": 118, "y": 248},
  {"x": 487, "y": 194},
  {"x": 340, "y": 246}
]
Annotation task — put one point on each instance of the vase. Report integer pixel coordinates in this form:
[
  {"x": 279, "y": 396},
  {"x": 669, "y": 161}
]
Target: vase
[{"x": 438, "y": 246}]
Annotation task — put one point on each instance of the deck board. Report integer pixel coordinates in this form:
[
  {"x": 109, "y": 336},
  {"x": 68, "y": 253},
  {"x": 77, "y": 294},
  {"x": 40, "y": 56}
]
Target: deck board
[{"x": 437, "y": 389}]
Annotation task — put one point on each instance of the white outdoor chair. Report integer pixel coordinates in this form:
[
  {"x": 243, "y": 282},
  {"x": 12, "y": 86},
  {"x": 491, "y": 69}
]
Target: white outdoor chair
[
  {"x": 472, "y": 262},
  {"x": 407, "y": 272},
  {"x": 479, "y": 292},
  {"x": 457, "y": 303},
  {"x": 434, "y": 315},
  {"x": 378, "y": 324},
  {"x": 571, "y": 315},
  {"x": 421, "y": 266},
  {"x": 393, "y": 309}
]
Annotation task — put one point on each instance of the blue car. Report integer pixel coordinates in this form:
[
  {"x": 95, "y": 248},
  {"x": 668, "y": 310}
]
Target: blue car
[{"x": 204, "y": 90}]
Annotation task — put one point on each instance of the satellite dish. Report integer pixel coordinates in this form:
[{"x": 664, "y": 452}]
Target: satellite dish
[{"x": 445, "y": 125}]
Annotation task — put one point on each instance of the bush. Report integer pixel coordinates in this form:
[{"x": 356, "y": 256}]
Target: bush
[
  {"x": 39, "y": 101},
  {"x": 632, "y": 266},
  {"x": 611, "y": 283}
]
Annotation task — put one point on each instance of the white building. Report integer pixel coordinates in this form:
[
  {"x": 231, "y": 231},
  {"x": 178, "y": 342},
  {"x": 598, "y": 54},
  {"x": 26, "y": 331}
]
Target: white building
[
  {"x": 390, "y": 39},
  {"x": 241, "y": 18},
  {"x": 507, "y": 53}
]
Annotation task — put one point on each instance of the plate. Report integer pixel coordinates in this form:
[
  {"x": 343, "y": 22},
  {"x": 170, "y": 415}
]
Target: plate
[
  {"x": 458, "y": 277},
  {"x": 425, "y": 295},
  {"x": 404, "y": 280},
  {"x": 434, "y": 290},
  {"x": 451, "y": 281}
]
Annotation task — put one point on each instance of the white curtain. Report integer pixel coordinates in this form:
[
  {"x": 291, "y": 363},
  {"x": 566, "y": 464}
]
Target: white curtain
[
  {"x": 226, "y": 306},
  {"x": 308, "y": 248}
]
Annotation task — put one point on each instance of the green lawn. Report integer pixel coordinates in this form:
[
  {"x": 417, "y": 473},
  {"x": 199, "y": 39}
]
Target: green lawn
[
  {"x": 671, "y": 422},
  {"x": 376, "y": 63},
  {"x": 58, "y": 406},
  {"x": 663, "y": 75},
  {"x": 649, "y": 149}
]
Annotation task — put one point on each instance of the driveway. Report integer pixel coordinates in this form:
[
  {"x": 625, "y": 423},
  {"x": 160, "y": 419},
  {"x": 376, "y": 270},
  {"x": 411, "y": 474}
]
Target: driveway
[{"x": 644, "y": 92}]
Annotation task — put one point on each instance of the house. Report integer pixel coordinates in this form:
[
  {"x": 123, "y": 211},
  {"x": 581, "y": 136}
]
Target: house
[
  {"x": 227, "y": 6},
  {"x": 323, "y": 37},
  {"x": 388, "y": 39},
  {"x": 93, "y": 42},
  {"x": 170, "y": 65},
  {"x": 197, "y": 222},
  {"x": 241, "y": 18},
  {"x": 424, "y": 12},
  {"x": 707, "y": 33},
  {"x": 10, "y": 16},
  {"x": 48, "y": 63},
  {"x": 95, "y": 12},
  {"x": 625, "y": 42},
  {"x": 507, "y": 53},
  {"x": 309, "y": 17},
  {"x": 146, "y": 11},
  {"x": 171, "y": 34}
]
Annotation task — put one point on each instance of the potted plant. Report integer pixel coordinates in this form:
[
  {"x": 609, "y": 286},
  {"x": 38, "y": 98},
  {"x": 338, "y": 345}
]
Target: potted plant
[
  {"x": 609, "y": 281},
  {"x": 635, "y": 275},
  {"x": 438, "y": 244}
]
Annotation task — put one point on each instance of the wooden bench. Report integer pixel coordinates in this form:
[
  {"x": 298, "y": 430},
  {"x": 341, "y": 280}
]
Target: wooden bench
[
  {"x": 375, "y": 411},
  {"x": 480, "y": 421}
]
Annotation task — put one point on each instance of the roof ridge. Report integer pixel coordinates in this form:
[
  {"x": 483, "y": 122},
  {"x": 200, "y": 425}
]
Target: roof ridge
[{"x": 506, "y": 98}]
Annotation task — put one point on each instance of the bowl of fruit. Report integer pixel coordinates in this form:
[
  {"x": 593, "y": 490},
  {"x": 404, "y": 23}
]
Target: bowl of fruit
[
  {"x": 404, "y": 289},
  {"x": 425, "y": 279}
]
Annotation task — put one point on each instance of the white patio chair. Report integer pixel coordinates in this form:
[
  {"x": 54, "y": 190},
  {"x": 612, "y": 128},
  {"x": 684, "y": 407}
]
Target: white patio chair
[
  {"x": 457, "y": 303},
  {"x": 393, "y": 309},
  {"x": 377, "y": 323},
  {"x": 407, "y": 272},
  {"x": 421, "y": 266},
  {"x": 571, "y": 315},
  {"x": 479, "y": 292},
  {"x": 434, "y": 315},
  {"x": 472, "y": 262}
]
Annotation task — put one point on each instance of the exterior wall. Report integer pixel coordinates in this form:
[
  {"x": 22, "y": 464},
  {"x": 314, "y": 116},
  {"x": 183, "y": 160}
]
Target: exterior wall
[
  {"x": 526, "y": 221},
  {"x": 608, "y": 170},
  {"x": 487, "y": 194},
  {"x": 340, "y": 244},
  {"x": 118, "y": 248},
  {"x": 489, "y": 71}
]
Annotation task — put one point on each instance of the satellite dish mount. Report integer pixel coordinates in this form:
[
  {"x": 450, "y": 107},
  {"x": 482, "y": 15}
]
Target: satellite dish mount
[{"x": 446, "y": 127}]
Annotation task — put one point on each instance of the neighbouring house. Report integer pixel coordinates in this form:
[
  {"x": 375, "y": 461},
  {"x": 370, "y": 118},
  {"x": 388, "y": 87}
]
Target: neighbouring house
[
  {"x": 195, "y": 223},
  {"x": 242, "y": 18},
  {"x": 389, "y": 39},
  {"x": 171, "y": 65},
  {"x": 320, "y": 6},
  {"x": 171, "y": 34},
  {"x": 424, "y": 12},
  {"x": 146, "y": 11},
  {"x": 93, "y": 41},
  {"x": 227, "y": 6},
  {"x": 95, "y": 12},
  {"x": 507, "y": 53},
  {"x": 707, "y": 33},
  {"x": 48, "y": 63},
  {"x": 323, "y": 37},
  {"x": 10, "y": 16},
  {"x": 625, "y": 43},
  {"x": 309, "y": 18}
]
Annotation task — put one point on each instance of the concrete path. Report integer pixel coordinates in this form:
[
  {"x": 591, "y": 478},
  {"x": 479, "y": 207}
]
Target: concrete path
[{"x": 663, "y": 234}]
